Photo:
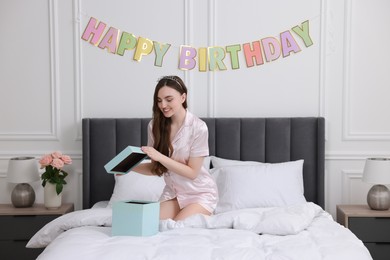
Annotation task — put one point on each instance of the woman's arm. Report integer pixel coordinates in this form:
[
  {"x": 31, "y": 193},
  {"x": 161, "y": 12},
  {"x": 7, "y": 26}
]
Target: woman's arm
[{"x": 190, "y": 170}]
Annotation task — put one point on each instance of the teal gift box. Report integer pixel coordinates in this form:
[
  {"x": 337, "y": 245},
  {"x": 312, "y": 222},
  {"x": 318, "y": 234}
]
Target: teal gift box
[
  {"x": 135, "y": 218},
  {"x": 123, "y": 162}
]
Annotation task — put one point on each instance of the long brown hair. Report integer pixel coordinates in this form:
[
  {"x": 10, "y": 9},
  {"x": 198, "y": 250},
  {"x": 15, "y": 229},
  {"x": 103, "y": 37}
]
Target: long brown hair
[{"x": 161, "y": 124}]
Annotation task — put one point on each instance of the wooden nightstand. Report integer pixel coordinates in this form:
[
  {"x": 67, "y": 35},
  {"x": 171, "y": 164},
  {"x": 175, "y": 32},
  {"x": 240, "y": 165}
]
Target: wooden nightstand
[
  {"x": 370, "y": 226},
  {"x": 18, "y": 225}
]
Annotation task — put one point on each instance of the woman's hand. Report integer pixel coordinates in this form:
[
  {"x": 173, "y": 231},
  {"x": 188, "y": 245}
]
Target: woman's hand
[
  {"x": 152, "y": 153},
  {"x": 190, "y": 170}
]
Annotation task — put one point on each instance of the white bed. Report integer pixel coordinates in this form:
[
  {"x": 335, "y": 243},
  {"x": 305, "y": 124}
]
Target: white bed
[{"x": 271, "y": 198}]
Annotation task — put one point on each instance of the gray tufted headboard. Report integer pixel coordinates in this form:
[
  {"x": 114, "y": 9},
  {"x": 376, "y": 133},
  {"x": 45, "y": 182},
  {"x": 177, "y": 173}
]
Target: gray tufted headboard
[{"x": 249, "y": 139}]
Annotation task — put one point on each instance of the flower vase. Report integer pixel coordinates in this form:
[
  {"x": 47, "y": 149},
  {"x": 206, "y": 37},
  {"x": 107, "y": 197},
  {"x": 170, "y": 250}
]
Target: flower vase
[{"x": 51, "y": 199}]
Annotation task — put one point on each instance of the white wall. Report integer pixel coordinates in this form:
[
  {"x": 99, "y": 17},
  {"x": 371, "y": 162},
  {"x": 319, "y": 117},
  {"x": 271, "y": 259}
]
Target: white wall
[{"x": 51, "y": 78}]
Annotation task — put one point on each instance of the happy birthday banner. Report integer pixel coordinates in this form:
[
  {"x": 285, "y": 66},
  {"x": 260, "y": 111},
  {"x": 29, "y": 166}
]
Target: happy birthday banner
[{"x": 205, "y": 58}]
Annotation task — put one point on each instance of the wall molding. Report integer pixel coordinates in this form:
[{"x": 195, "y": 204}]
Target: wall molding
[
  {"x": 75, "y": 155},
  {"x": 348, "y": 133},
  {"x": 366, "y": 136},
  {"x": 324, "y": 42},
  {"x": 354, "y": 155},
  {"x": 211, "y": 82},
  {"x": 77, "y": 68},
  {"x": 54, "y": 71},
  {"x": 79, "y": 203},
  {"x": 322, "y": 109},
  {"x": 188, "y": 36},
  {"x": 52, "y": 134},
  {"x": 3, "y": 173},
  {"x": 348, "y": 176}
]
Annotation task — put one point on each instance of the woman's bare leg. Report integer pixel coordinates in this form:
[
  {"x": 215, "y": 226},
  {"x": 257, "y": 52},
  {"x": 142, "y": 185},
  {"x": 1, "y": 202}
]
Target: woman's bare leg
[
  {"x": 191, "y": 209},
  {"x": 169, "y": 209}
]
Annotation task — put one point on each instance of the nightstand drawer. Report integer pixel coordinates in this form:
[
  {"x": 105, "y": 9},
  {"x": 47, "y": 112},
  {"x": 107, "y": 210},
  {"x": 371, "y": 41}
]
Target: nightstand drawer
[
  {"x": 379, "y": 251},
  {"x": 17, "y": 250},
  {"x": 22, "y": 227},
  {"x": 370, "y": 229}
]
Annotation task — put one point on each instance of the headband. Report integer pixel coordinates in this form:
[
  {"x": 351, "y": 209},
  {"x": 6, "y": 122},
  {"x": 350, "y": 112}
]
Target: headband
[{"x": 170, "y": 78}]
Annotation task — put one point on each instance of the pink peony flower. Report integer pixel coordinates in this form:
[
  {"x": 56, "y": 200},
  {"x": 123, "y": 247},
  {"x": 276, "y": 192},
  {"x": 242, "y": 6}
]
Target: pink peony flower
[
  {"x": 56, "y": 155},
  {"x": 53, "y": 173},
  {"x": 57, "y": 163},
  {"x": 66, "y": 159},
  {"x": 45, "y": 160}
]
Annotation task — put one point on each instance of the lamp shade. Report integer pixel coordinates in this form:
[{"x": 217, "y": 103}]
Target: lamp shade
[
  {"x": 377, "y": 171},
  {"x": 22, "y": 170}
]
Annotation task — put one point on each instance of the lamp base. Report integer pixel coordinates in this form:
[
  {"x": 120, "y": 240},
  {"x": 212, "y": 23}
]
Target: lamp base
[
  {"x": 378, "y": 197},
  {"x": 23, "y": 196}
]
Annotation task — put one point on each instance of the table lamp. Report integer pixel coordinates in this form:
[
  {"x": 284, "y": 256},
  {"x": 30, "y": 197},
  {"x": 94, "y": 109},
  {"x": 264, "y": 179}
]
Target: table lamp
[
  {"x": 377, "y": 171},
  {"x": 22, "y": 170}
]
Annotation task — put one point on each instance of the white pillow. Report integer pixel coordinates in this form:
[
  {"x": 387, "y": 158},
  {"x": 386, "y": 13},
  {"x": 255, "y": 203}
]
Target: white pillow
[
  {"x": 135, "y": 186},
  {"x": 220, "y": 162},
  {"x": 100, "y": 204},
  {"x": 259, "y": 185}
]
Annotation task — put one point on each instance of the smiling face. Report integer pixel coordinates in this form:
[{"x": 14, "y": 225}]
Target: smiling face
[{"x": 170, "y": 101}]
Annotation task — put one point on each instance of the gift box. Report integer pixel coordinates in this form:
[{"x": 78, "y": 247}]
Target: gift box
[
  {"x": 135, "y": 218},
  {"x": 123, "y": 162}
]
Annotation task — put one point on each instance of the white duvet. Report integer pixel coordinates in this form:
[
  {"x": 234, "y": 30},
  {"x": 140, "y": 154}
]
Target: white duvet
[{"x": 296, "y": 232}]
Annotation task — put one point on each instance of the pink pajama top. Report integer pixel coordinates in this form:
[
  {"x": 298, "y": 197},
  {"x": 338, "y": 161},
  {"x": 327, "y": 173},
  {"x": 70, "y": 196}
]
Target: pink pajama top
[{"x": 190, "y": 141}]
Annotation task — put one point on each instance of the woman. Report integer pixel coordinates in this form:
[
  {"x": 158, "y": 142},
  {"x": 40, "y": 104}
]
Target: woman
[{"x": 177, "y": 145}]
